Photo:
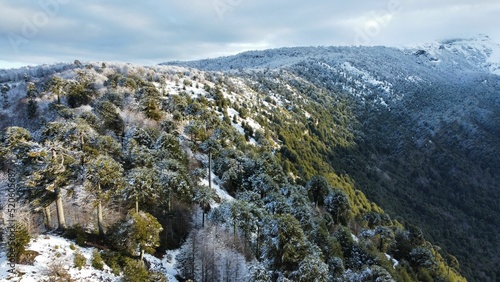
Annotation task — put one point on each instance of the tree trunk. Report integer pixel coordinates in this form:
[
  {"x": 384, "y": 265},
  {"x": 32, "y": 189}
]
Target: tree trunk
[
  {"x": 142, "y": 254},
  {"x": 210, "y": 169},
  {"x": 193, "y": 255},
  {"x": 169, "y": 201},
  {"x": 60, "y": 210},
  {"x": 47, "y": 218},
  {"x": 99, "y": 218},
  {"x": 257, "y": 243},
  {"x": 203, "y": 219},
  {"x": 136, "y": 202},
  {"x": 82, "y": 158},
  {"x": 234, "y": 231},
  {"x": 99, "y": 212}
]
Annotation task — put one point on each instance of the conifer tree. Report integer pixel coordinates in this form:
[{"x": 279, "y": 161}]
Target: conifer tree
[
  {"x": 16, "y": 144},
  {"x": 31, "y": 94},
  {"x": 337, "y": 204},
  {"x": 5, "y": 97},
  {"x": 142, "y": 184},
  {"x": 19, "y": 237},
  {"x": 57, "y": 85},
  {"x": 56, "y": 169},
  {"x": 204, "y": 196},
  {"x": 140, "y": 231},
  {"x": 103, "y": 179},
  {"x": 318, "y": 188}
]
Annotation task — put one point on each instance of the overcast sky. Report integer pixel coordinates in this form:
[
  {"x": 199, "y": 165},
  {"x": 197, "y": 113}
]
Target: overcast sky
[{"x": 149, "y": 32}]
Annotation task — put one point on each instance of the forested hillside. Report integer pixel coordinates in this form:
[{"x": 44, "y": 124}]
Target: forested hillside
[
  {"x": 419, "y": 126},
  {"x": 254, "y": 176}
]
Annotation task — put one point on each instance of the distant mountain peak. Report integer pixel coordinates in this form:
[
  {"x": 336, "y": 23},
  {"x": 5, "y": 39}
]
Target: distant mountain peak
[
  {"x": 477, "y": 38},
  {"x": 480, "y": 52},
  {"x": 480, "y": 47}
]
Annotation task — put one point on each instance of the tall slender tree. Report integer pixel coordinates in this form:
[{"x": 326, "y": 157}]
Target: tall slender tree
[
  {"x": 31, "y": 94},
  {"x": 55, "y": 170},
  {"x": 103, "y": 178},
  {"x": 56, "y": 86},
  {"x": 141, "y": 185},
  {"x": 5, "y": 98},
  {"x": 204, "y": 196}
]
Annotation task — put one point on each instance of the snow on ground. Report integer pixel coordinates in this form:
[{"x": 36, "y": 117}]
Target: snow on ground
[
  {"x": 165, "y": 265},
  {"x": 255, "y": 126},
  {"x": 393, "y": 260},
  {"x": 56, "y": 250},
  {"x": 223, "y": 195},
  {"x": 366, "y": 77},
  {"x": 4, "y": 267}
]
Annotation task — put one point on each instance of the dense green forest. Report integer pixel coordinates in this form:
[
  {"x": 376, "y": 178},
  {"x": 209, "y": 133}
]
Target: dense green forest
[{"x": 263, "y": 169}]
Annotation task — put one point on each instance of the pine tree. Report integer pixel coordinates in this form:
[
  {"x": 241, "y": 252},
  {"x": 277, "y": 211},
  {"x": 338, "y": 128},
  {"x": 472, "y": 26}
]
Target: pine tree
[
  {"x": 135, "y": 271},
  {"x": 318, "y": 188},
  {"x": 386, "y": 237},
  {"x": 142, "y": 185},
  {"x": 57, "y": 86},
  {"x": 204, "y": 196},
  {"x": 31, "y": 94},
  {"x": 5, "y": 97},
  {"x": 103, "y": 179},
  {"x": 56, "y": 168},
  {"x": 140, "y": 231},
  {"x": 111, "y": 118},
  {"x": 174, "y": 179},
  {"x": 19, "y": 237},
  {"x": 146, "y": 232},
  {"x": 16, "y": 144},
  {"x": 312, "y": 268},
  {"x": 263, "y": 184},
  {"x": 285, "y": 244},
  {"x": 337, "y": 204}
]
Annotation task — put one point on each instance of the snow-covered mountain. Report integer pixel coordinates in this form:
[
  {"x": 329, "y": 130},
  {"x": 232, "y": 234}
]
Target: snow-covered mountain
[
  {"x": 433, "y": 109},
  {"x": 416, "y": 129},
  {"x": 383, "y": 75},
  {"x": 479, "y": 52}
]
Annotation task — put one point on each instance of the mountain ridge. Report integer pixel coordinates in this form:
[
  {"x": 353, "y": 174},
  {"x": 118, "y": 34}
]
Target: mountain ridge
[
  {"x": 414, "y": 129},
  {"x": 484, "y": 49},
  {"x": 434, "y": 106}
]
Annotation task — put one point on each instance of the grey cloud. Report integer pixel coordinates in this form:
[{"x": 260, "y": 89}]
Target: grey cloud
[{"x": 149, "y": 31}]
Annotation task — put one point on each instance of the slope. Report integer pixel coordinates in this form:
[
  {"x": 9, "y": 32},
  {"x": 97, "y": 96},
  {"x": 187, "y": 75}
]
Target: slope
[
  {"x": 422, "y": 138},
  {"x": 116, "y": 156}
]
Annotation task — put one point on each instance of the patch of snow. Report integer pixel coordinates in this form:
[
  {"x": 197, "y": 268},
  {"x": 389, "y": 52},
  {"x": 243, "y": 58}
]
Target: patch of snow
[
  {"x": 383, "y": 103},
  {"x": 56, "y": 250},
  {"x": 238, "y": 128},
  {"x": 223, "y": 195},
  {"x": 4, "y": 267},
  {"x": 252, "y": 123},
  {"x": 165, "y": 265},
  {"x": 393, "y": 260},
  {"x": 414, "y": 79}
]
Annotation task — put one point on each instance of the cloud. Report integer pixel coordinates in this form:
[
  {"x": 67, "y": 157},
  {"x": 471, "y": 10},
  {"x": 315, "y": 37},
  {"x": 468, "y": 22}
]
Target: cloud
[{"x": 149, "y": 32}]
